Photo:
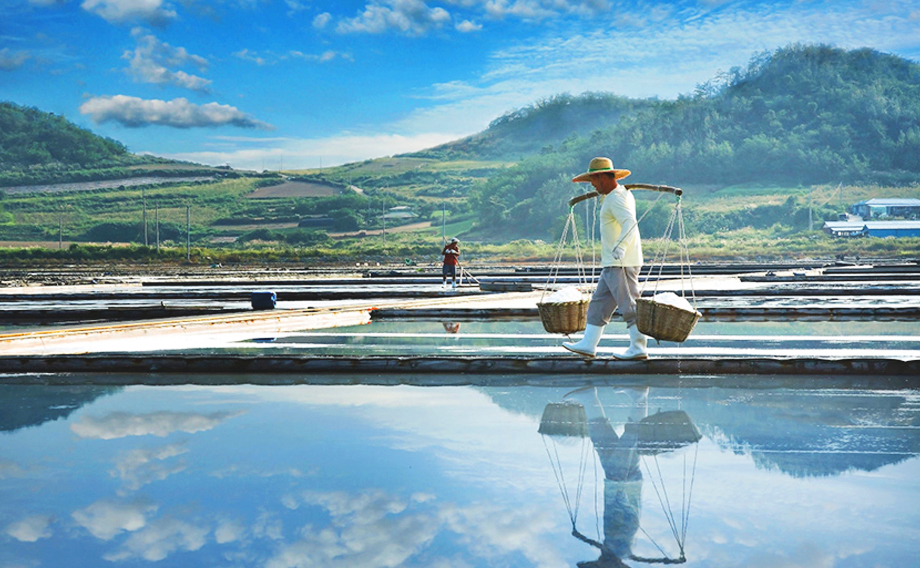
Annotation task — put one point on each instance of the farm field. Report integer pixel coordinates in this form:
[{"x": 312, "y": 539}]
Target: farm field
[{"x": 295, "y": 189}]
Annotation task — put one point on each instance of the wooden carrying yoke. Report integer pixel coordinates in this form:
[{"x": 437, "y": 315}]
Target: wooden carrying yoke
[{"x": 664, "y": 188}]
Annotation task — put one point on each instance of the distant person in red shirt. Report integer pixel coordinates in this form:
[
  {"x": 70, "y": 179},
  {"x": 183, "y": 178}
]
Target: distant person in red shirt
[{"x": 451, "y": 252}]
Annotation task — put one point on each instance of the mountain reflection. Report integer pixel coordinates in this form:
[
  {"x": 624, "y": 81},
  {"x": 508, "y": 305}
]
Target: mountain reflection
[
  {"x": 811, "y": 433},
  {"x": 22, "y": 406},
  {"x": 802, "y": 433}
]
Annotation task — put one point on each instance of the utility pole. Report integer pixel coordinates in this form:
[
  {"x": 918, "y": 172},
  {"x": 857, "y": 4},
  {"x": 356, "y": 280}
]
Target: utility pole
[
  {"x": 188, "y": 232},
  {"x": 809, "y": 214},
  {"x": 144, "y": 194},
  {"x": 156, "y": 216},
  {"x": 443, "y": 224}
]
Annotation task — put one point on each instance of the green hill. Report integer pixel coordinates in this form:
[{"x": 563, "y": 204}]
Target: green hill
[
  {"x": 804, "y": 115},
  {"x": 38, "y": 147},
  {"x": 30, "y": 137}
]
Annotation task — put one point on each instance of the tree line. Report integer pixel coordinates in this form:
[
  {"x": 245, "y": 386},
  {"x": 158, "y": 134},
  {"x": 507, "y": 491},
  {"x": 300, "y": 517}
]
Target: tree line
[
  {"x": 30, "y": 137},
  {"x": 804, "y": 114}
]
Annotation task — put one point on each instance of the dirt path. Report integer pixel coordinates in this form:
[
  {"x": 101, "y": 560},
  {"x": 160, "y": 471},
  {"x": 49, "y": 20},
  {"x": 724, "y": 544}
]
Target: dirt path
[
  {"x": 102, "y": 184},
  {"x": 400, "y": 229}
]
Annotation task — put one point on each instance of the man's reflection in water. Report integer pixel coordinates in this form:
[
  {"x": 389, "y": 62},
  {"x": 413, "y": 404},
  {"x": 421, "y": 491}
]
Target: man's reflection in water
[
  {"x": 451, "y": 326},
  {"x": 619, "y": 456}
]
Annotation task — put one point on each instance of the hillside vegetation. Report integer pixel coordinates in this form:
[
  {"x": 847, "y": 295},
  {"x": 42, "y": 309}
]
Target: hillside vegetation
[
  {"x": 30, "y": 137},
  {"x": 803, "y": 116},
  {"x": 39, "y": 147},
  {"x": 765, "y": 154}
]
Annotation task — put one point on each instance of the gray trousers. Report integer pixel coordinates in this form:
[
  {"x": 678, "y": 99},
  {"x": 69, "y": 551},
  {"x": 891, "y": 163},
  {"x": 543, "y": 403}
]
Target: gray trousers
[{"x": 617, "y": 287}]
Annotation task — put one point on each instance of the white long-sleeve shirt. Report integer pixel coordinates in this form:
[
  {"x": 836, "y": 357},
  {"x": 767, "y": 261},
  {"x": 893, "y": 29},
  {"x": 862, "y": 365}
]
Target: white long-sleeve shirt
[{"x": 619, "y": 228}]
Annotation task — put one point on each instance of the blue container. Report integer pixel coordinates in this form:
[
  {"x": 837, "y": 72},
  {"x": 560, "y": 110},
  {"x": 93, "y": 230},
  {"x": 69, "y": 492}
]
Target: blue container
[{"x": 263, "y": 300}]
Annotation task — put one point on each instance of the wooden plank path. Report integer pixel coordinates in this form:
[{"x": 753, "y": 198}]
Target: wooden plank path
[{"x": 268, "y": 369}]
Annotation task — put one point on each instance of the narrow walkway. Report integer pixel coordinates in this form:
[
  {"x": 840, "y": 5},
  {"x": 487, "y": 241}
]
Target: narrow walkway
[{"x": 432, "y": 340}]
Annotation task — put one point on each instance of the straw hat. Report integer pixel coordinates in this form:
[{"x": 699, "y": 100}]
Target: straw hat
[{"x": 601, "y": 166}]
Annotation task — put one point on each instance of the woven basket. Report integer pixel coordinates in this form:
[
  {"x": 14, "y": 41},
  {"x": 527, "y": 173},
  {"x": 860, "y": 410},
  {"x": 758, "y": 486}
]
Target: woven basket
[
  {"x": 564, "y": 419},
  {"x": 665, "y": 322},
  {"x": 664, "y": 431},
  {"x": 566, "y": 317}
]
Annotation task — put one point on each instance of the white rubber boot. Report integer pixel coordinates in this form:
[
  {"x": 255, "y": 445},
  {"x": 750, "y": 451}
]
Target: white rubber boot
[
  {"x": 588, "y": 344},
  {"x": 638, "y": 346},
  {"x": 639, "y": 408},
  {"x": 587, "y": 397}
]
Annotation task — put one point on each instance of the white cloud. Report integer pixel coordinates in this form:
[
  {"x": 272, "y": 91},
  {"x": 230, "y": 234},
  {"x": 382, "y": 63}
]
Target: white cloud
[
  {"x": 322, "y": 20},
  {"x": 152, "y": 59},
  {"x": 142, "y": 466},
  {"x": 123, "y": 424},
  {"x": 492, "y": 531},
  {"x": 252, "y": 56},
  {"x": 10, "y": 59},
  {"x": 154, "y": 12},
  {"x": 268, "y": 526},
  {"x": 534, "y": 10},
  {"x": 323, "y": 57},
  {"x": 178, "y": 113},
  {"x": 160, "y": 539},
  {"x": 229, "y": 530},
  {"x": 370, "y": 530},
  {"x": 269, "y": 58},
  {"x": 31, "y": 528},
  {"x": 106, "y": 519},
  {"x": 294, "y": 6},
  {"x": 522, "y": 9},
  {"x": 467, "y": 26},
  {"x": 10, "y": 469},
  {"x": 408, "y": 17},
  {"x": 377, "y": 529}
]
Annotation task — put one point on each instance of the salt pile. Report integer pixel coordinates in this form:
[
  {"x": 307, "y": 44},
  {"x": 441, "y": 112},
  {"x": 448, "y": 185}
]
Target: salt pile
[
  {"x": 564, "y": 295},
  {"x": 672, "y": 299}
]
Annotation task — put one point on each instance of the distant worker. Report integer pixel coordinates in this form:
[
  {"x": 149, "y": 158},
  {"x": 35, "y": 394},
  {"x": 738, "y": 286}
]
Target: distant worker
[
  {"x": 621, "y": 259},
  {"x": 451, "y": 253}
]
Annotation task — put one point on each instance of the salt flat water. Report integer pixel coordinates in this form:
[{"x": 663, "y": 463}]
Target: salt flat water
[{"x": 376, "y": 476}]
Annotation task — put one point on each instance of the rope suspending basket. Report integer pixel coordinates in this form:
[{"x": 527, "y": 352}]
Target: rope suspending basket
[
  {"x": 668, "y": 317},
  {"x": 665, "y": 317},
  {"x": 570, "y": 315}
]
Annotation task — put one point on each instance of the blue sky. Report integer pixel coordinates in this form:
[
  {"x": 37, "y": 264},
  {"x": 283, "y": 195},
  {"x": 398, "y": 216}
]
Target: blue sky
[{"x": 263, "y": 84}]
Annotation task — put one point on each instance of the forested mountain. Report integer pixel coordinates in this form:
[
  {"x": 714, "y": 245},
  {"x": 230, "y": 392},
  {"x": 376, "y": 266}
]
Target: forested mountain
[
  {"x": 801, "y": 115},
  {"x": 31, "y": 137}
]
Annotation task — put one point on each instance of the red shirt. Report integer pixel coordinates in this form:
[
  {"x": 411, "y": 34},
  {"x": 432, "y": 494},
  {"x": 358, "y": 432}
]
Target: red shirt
[{"x": 451, "y": 253}]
